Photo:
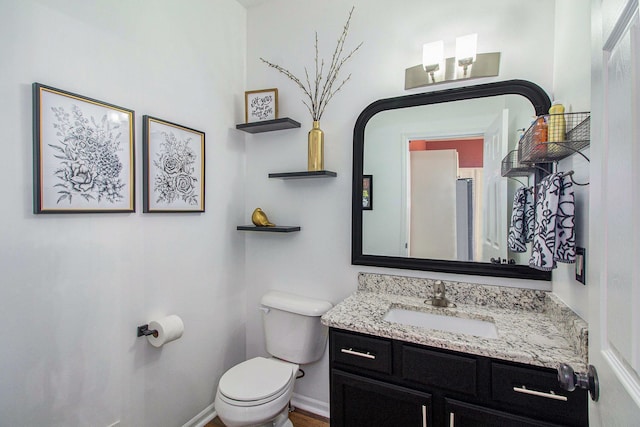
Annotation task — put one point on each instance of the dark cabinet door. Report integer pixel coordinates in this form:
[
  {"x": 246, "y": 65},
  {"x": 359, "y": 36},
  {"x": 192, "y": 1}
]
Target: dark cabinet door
[
  {"x": 362, "y": 402},
  {"x": 460, "y": 414},
  {"x": 537, "y": 393}
]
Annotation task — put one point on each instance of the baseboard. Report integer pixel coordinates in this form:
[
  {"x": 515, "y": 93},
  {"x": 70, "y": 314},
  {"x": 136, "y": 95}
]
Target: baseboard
[
  {"x": 297, "y": 400},
  {"x": 310, "y": 405},
  {"x": 200, "y": 420}
]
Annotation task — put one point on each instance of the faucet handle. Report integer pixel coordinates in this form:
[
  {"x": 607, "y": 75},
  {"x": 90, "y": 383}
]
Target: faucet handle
[{"x": 439, "y": 299}]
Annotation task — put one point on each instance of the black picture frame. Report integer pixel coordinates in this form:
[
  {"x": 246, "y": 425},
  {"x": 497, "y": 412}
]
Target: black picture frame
[
  {"x": 83, "y": 154},
  {"x": 367, "y": 192},
  {"x": 173, "y": 167}
]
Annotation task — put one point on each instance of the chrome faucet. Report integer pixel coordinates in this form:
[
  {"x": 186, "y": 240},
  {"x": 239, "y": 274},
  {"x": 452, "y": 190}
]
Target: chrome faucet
[{"x": 439, "y": 299}]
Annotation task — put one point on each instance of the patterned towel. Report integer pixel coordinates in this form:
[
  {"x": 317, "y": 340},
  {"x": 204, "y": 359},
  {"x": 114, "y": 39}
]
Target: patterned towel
[
  {"x": 554, "y": 237},
  {"x": 565, "y": 249},
  {"x": 522, "y": 220},
  {"x": 529, "y": 216}
]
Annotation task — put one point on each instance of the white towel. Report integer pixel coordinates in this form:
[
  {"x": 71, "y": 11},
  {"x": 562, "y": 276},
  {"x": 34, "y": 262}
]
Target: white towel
[{"x": 554, "y": 234}]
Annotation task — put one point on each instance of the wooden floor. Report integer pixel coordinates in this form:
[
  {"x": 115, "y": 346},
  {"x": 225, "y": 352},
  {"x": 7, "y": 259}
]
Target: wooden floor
[{"x": 299, "y": 418}]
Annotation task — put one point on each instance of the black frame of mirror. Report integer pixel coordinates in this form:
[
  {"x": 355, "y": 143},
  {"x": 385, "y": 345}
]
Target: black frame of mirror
[{"x": 541, "y": 103}]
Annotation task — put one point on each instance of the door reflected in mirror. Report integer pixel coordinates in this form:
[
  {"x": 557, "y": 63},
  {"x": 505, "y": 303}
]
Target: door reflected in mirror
[{"x": 445, "y": 198}]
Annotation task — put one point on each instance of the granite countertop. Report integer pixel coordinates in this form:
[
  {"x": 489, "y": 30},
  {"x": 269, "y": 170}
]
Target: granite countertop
[{"x": 534, "y": 327}]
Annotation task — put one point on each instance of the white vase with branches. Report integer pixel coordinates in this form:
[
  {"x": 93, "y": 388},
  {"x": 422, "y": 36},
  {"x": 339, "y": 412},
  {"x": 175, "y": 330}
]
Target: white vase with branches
[{"x": 320, "y": 90}]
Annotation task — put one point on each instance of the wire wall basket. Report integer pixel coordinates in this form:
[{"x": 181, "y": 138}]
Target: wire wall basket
[
  {"x": 512, "y": 167},
  {"x": 553, "y": 137}
]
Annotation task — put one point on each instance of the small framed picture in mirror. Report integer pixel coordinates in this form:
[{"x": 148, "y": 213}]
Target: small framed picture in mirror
[
  {"x": 367, "y": 192},
  {"x": 260, "y": 105}
]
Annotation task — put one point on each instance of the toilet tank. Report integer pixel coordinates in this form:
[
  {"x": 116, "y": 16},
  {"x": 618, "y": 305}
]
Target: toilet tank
[{"x": 292, "y": 327}]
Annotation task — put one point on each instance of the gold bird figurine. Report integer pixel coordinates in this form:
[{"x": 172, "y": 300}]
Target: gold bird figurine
[{"x": 260, "y": 219}]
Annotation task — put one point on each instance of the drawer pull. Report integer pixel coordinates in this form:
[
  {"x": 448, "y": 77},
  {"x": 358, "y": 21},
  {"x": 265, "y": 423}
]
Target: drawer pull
[
  {"x": 550, "y": 395},
  {"x": 352, "y": 352},
  {"x": 424, "y": 416}
]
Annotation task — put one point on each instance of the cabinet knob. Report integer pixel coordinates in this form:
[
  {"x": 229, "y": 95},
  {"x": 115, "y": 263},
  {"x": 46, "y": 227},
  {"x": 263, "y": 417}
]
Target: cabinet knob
[{"x": 570, "y": 380}]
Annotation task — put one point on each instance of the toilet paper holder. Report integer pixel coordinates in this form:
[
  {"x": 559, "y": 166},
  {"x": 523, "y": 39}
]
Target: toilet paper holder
[
  {"x": 144, "y": 331},
  {"x": 162, "y": 331}
]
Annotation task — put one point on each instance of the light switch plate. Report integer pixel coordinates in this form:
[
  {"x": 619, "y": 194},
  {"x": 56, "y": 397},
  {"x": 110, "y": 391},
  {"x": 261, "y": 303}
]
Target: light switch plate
[{"x": 581, "y": 265}]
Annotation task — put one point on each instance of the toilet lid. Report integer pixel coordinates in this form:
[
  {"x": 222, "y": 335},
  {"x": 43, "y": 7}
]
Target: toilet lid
[{"x": 256, "y": 379}]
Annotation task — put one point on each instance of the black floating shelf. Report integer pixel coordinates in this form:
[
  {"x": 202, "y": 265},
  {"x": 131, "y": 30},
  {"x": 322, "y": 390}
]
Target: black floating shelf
[
  {"x": 268, "y": 125},
  {"x": 276, "y": 229},
  {"x": 302, "y": 175}
]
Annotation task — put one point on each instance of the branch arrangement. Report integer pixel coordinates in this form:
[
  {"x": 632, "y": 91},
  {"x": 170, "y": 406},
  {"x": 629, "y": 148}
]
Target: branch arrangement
[{"x": 320, "y": 91}]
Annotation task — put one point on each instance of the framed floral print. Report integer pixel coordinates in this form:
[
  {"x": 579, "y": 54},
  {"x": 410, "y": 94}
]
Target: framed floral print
[
  {"x": 173, "y": 177},
  {"x": 83, "y": 154},
  {"x": 260, "y": 105}
]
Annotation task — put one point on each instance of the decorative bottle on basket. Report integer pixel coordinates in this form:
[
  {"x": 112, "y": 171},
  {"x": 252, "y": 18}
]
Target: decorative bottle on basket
[
  {"x": 540, "y": 137},
  {"x": 557, "y": 126}
]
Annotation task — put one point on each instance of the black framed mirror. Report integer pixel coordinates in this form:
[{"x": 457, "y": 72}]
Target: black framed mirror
[{"x": 532, "y": 94}]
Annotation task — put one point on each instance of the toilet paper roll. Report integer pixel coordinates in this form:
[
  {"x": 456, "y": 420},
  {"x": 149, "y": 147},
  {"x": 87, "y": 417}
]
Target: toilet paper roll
[{"x": 169, "y": 329}]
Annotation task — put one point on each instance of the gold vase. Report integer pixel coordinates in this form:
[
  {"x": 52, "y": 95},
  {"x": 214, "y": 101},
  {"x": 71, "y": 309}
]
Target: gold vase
[{"x": 316, "y": 148}]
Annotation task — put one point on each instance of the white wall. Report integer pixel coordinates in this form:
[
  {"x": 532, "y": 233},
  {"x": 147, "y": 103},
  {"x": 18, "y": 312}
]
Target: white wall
[
  {"x": 572, "y": 86},
  {"x": 316, "y": 261},
  {"x": 74, "y": 287}
]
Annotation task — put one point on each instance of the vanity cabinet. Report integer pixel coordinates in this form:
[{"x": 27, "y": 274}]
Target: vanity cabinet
[{"x": 379, "y": 382}]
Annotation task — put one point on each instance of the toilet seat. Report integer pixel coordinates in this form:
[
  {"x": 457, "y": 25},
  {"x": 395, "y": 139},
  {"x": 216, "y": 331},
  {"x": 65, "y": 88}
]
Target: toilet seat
[{"x": 256, "y": 381}]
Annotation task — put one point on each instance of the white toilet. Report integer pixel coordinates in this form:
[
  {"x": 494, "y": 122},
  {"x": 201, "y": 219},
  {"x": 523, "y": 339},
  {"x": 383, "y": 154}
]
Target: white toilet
[{"x": 256, "y": 393}]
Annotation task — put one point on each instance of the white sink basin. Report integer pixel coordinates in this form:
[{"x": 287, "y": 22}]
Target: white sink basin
[{"x": 481, "y": 328}]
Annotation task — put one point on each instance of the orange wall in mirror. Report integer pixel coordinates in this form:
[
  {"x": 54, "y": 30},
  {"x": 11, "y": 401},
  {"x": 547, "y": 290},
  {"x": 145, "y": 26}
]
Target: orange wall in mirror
[{"x": 469, "y": 150}]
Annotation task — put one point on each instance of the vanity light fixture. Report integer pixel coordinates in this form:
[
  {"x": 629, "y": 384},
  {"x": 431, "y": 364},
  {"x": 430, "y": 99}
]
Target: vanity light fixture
[
  {"x": 433, "y": 59},
  {"x": 466, "y": 50},
  {"x": 467, "y": 64}
]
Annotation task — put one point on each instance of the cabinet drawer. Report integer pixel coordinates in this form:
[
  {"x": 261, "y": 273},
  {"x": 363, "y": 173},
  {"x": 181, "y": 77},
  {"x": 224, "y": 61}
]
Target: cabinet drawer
[
  {"x": 461, "y": 414},
  {"x": 361, "y": 351},
  {"x": 537, "y": 392},
  {"x": 438, "y": 369}
]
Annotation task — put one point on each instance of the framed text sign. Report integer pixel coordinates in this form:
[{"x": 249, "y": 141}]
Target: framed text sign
[{"x": 261, "y": 105}]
